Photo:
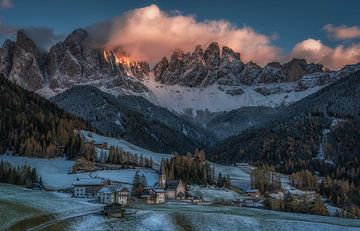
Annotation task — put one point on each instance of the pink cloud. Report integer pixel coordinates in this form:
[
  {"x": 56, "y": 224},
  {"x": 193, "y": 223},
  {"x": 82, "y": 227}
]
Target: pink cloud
[
  {"x": 6, "y": 4},
  {"x": 334, "y": 58},
  {"x": 342, "y": 32},
  {"x": 149, "y": 34}
]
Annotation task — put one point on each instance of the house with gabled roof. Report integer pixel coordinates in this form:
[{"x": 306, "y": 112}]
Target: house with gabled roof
[
  {"x": 153, "y": 196},
  {"x": 114, "y": 194},
  {"x": 87, "y": 187}
]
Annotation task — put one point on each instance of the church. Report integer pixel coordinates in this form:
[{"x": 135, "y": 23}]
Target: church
[{"x": 174, "y": 189}]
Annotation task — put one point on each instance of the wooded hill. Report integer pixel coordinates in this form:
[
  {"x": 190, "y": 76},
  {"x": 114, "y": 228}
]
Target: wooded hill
[
  {"x": 291, "y": 142},
  {"x": 33, "y": 126}
]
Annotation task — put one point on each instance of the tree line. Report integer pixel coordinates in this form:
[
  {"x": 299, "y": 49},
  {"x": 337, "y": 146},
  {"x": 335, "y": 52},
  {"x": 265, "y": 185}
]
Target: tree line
[
  {"x": 120, "y": 157},
  {"x": 21, "y": 175},
  {"x": 265, "y": 179},
  {"x": 193, "y": 169}
]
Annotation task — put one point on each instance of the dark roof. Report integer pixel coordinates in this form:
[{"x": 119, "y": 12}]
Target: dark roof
[
  {"x": 172, "y": 184},
  {"x": 88, "y": 182}
]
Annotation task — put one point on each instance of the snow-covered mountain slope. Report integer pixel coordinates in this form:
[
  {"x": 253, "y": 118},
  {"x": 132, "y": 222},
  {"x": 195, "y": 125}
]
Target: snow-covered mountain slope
[
  {"x": 135, "y": 120},
  {"x": 217, "y": 98}
]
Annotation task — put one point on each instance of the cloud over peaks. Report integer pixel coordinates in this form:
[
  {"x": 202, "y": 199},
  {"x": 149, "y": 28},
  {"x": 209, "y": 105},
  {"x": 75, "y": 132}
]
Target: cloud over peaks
[
  {"x": 149, "y": 34},
  {"x": 342, "y": 32},
  {"x": 334, "y": 58}
]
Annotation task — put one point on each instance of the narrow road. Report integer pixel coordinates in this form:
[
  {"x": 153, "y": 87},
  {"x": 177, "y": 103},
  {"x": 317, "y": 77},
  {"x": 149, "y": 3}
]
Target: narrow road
[{"x": 73, "y": 216}]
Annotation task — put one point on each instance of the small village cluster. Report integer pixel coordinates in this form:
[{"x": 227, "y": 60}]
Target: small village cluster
[{"x": 107, "y": 192}]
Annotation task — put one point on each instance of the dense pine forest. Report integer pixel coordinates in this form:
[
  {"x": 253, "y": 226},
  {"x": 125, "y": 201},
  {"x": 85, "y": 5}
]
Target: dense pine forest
[
  {"x": 33, "y": 126},
  {"x": 193, "y": 169},
  {"x": 22, "y": 175},
  {"x": 126, "y": 159}
]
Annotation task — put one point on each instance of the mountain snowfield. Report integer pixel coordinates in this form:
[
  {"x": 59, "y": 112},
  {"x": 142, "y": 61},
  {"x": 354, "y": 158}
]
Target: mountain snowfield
[{"x": 214, "y": 98}]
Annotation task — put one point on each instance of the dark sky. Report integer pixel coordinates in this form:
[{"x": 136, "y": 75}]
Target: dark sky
[{"x": 289, "y": 21}]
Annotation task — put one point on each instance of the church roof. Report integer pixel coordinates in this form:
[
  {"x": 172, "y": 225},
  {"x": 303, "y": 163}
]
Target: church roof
[{"x": 172, "y": 184}]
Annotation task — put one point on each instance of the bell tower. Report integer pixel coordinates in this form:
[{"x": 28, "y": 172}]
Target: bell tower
[{"x": 162, "y": 176}]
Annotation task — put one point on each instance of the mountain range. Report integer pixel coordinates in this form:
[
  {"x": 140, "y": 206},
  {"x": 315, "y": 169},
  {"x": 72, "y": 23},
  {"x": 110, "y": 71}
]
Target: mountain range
[
  {"x": 205, "y": 98},
  {"x": 203, "y": 79}
]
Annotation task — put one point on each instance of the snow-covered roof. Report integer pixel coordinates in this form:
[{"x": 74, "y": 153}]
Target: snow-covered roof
[
  {"x": 105, "y": 189},
  {"x": 113, "y": 188},
  {"x": 158, "y": 190},
  {"x": 88, "y": 181},
  {"x": 252, "y": 191}
]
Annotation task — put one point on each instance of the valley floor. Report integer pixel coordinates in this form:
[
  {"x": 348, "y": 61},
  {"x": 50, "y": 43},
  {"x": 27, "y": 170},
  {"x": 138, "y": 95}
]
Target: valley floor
[{"x": 23, "y": 208}]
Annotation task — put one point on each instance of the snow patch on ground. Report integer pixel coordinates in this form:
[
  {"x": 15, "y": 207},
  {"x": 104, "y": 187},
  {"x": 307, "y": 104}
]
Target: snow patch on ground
[
  {"x": 127, "y": 175},
  {"x": 210, "y": 193},
  {"x": 126, "y": 146},
  {"x": 55, "y": 172}
]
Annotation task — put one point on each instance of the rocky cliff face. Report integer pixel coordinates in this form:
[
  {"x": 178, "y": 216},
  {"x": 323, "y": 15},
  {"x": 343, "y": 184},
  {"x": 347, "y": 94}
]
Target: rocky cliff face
[
  {"x": 71, "y": 62},
  {"x": 75, "y": 61},
  {"x": 203, "y": 68},
  {"x": 200, "y": 68},
  {"x": 22, "y": 62}
]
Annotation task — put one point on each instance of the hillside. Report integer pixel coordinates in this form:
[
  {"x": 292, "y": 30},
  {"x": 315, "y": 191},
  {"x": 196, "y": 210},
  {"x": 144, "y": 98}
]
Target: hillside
[
  {"x": 321, "y": 133},
  {"x": 133, "y": 119},
  {"x": 33, "y": 126}
]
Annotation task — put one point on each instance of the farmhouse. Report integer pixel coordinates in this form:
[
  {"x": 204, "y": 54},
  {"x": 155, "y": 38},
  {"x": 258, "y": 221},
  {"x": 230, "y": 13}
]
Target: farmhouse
[
  {"x": 113, "y": 194},
  {"x": 253, "y": 193},
  {"x": 87, "y": 188},
  {"x": 153, "y": 196}
]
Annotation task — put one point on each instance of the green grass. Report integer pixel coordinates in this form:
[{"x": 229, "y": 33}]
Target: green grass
[
  {"x": 30, "y": 222},
  {"x": 12, "y": 212},
  {"x": 183, "y": 222}
]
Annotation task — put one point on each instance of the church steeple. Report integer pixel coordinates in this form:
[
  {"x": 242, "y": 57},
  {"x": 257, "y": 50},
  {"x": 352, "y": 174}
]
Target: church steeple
[{"x": 162, "y": 175}]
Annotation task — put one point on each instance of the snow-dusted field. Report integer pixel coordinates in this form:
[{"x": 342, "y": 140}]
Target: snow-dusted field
[
  {"x": 239, "y": 178},
  {"x": 127, "y": 175},
  {"x": 126, "y": 146},
  {"x": 169, "y": 216},
  {"x": 55, "y": 172},
  {"x": 211, "y": 194},
  {"x": 42, "y": 203}
]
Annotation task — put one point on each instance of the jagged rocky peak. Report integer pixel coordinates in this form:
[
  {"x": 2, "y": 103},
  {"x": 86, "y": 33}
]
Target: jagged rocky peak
[
  {"x": 26, "y": 63},
  {"x": 230, "y": 67},
  {"x": 250, "y": 72},
  {"x": 272, "y": 73},
  {"x": 6, "y": 56},
  {"x": 175, "y": 68},
  {"x": 26, "y": 44},
  {"x": 198, "y": 53},
  {"x": 160, "y": 68},
  {"x": 212, "y": 55},
  {"x": 297, "y": 68},
  {"x": 77, "y": 60},
  {"x": 202, "y": 68},
  {"x": 77, "y": 36},
  {"x": 228, "y": 53},
  {"x": 75, "y": 42}
]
